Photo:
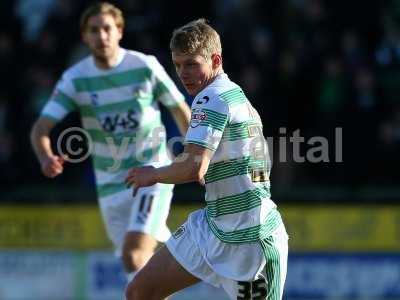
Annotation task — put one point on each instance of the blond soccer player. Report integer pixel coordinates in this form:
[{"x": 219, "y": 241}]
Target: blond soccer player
[{"x": 238, "y": 241}]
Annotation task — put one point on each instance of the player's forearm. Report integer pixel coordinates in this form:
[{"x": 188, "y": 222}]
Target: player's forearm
[
  {"x": 187, "y": 167},
  {"x": 176, "y": 173},
  {"x": 181, "y": 115},
  {"x": 40, "y": 140}
]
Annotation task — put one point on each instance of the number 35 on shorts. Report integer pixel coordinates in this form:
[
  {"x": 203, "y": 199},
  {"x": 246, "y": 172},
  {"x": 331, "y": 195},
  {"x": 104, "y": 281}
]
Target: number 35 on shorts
[{"x": 255, "y": 290}]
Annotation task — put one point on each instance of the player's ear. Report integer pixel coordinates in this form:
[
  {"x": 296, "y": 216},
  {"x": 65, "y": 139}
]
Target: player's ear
[
  {"x": 121, "y": 32},
  {"x": 216, "y": 60}
]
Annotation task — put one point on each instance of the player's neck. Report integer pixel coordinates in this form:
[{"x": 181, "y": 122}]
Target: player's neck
[
  {"x": 211, "y": 79},
  {"x": 218, "y": 72},
  {"x": 106, "y": 63}
]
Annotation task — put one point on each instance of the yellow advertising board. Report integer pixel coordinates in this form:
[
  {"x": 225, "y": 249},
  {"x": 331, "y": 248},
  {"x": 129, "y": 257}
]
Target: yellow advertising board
[
  {"x": 343, "y": 228},
  {"x": 52, "y": 227},
  {"x": 311, "y": 228}
]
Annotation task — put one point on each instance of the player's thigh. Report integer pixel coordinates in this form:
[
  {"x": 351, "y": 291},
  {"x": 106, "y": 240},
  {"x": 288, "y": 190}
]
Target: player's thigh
[
  {"x": 161, "y": 276},
  {"x": 150, "y": 210},
  {"x": 138, "y": 247}
]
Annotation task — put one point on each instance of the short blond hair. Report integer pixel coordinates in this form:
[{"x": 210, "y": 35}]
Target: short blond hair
[
  {"x": 196, "y": 37},
  {"x": 102, "y": 8}
]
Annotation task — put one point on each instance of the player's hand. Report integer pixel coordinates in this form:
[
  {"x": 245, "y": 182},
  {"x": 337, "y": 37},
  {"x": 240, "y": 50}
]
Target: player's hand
[
  {"x": 52, "y": 166},
  {"x": 140, "y": 177},
  {"x": 202, "y": 181}
]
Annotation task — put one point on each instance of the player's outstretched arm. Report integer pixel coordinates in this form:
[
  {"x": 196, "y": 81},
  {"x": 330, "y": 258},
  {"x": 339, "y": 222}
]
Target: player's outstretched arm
[
  {"x": 181, "y": 115},
  {"x": 51, "y": 164},
  {"x": 189, "y": 166}
]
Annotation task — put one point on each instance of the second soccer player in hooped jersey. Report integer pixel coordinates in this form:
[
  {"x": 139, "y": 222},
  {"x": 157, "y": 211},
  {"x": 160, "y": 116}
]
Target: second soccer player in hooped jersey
[
  {"x": 238, "y": 241},
  {"x": 117, "y": 93}
]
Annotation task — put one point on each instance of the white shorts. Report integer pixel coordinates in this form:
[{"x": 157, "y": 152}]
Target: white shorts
[
  {"x": 245, "y": 271},
  {"x": 147, "y": 212}
]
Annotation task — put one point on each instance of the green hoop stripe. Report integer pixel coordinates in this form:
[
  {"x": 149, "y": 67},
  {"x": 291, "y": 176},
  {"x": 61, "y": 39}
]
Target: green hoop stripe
[
  {"x": 214, "y": 119},
  {"x": 65, "y": 101},
  {"x": 100, "y": 136},
  {"x": 160, "y": 89},
  {"x": 239, "y": 131},
  {"x": 123, "y": 105},
  {"x": 234, "y": 167},
  {"x": 272, "y": 268},
  {"x": 234, "y": 97},
  {"x": 237, "y": 203},
  {"x": 107, "y": 189},
  {"x": 116, "y": 80},
  {"x": 250, "y": 234}
]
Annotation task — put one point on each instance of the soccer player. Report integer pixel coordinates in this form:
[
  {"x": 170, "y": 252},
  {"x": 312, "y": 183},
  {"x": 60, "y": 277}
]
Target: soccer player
[
  {"x": 117, "y": 93},
  {"x": 238, "y": 241}
]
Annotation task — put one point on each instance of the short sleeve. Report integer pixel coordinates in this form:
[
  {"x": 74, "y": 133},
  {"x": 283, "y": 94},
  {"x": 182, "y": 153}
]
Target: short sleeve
[
  {"x": 61, "y": 101},
  {"x": 208, "y": 122},
  {"x": 164, "y": 89}
]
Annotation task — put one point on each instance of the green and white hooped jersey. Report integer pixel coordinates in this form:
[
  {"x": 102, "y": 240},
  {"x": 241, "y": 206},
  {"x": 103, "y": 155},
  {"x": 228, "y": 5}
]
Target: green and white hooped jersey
[
  {"x": 120, "y": 112},
  {"x": 239, "y": 208}
]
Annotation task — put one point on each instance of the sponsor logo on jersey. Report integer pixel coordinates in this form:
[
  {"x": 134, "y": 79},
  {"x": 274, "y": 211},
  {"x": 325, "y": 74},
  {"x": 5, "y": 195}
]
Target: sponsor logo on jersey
[
  {"x": 198, "y": 116},
  {"x": 120, "y": 122}
]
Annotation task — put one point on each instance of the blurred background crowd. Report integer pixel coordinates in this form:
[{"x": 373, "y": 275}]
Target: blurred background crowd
[{"x": 308, "y": 65}]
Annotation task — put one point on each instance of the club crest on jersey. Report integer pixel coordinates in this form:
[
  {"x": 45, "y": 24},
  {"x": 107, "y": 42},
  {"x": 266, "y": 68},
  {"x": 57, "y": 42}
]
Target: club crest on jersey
[
  {"x": 198, "y": 116},
  {"x": 94, "y": 98}
]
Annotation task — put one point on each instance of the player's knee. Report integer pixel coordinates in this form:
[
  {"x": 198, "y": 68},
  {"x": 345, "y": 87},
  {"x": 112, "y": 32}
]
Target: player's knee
[
  {"x": 139, "y": 289},
  {"x": 135, "y": 259},
  {"x": 137, "y": 250}
]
